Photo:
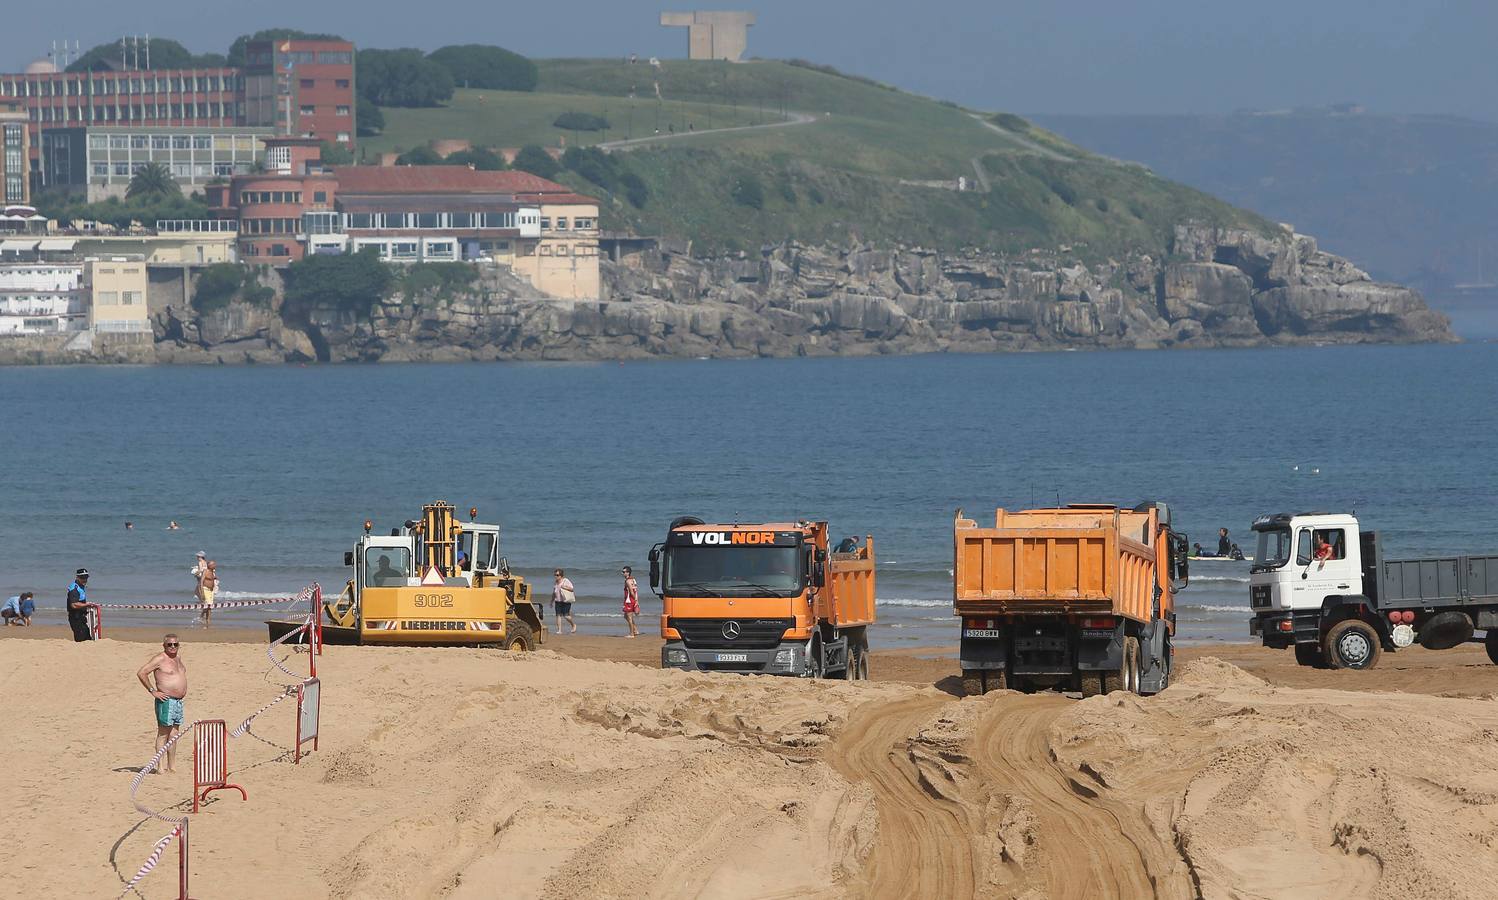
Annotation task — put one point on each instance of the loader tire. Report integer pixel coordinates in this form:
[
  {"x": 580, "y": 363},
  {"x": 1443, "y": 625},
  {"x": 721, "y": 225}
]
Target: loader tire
[
  {"x": 518, "y": 636},
  {"x": 1310, "y": 655}
]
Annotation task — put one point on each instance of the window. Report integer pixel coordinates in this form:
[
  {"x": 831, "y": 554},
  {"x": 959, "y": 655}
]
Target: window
[
  {"x": 403, "y": 250},
  {"x": 546, "y": 223},
  {"x": 386, "y": 566},
  {"x": 561, "y": 223},
  {"x": 107, "y": 298},
  {"x": 360, "y": 220},
  {"x": 562, "y": 250},
  {"x": 319, "y": 196},
  {"x": 307, "y": 84},
  {"x": 343, "y": 137},
  {"x": 181, "y": 142},
  {"x": 546, "y": 250},
  {"x": 161, "y": 142},
  {"x": 122, "y": 168},
  {"x": 426, "y": 220},
  {"x": 462, "y": 220},
  {"x": 335, "y": 58},
  {"x": 341, "y": 110},
  {"x": 202, "y": 142},
  {"x": 1335, "y": 539},
  {"x": 443, "y": 249},
  {"x": 583, "y": 224},
  {"x": 119, "y": 142},
  {"x": 307, "y": 109},
  {"x": 101, "y": 168},
  {"x": 129, "y": 298},
  {"x": 279, "y": 250},
  {"x": 302, "y": 57},
  {"x": 341, "y": 84}
]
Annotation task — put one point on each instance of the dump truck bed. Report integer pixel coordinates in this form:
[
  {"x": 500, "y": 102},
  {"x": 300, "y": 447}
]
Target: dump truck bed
[
  {"x": 848, "y": 599},
  {"x": 1085, "y": 560}
]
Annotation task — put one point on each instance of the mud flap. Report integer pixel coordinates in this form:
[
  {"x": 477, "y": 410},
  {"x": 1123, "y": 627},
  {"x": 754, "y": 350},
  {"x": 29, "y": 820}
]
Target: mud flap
[
  {"x": 1153, "y": 666},
  {"x": 835, "y": 655}
]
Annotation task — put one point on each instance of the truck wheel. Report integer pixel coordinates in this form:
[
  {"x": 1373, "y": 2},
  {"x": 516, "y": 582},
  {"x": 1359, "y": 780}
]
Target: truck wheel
[
  {"x": 1310, "y": 655},
  {"x": 863, "y": 662},
  {"x": 1491, "y": 643},
  {"x": 850, "y": 670},
  {"x": 972, "y": 682},
  {"x": 1352, "y": 644},
  {"x": 1090, "y": 683},
  {"x": 518, "y": 637}
]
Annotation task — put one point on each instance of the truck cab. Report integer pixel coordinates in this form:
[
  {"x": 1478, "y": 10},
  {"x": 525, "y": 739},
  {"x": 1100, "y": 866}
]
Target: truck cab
[
  {"x": 763, "y": 597},
  {"x": 1321, "y": 585}
]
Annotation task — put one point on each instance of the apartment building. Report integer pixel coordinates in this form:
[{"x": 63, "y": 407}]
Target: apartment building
[
  {"x": 291, "y": 87},
  {"x": 47, "y": 288}
]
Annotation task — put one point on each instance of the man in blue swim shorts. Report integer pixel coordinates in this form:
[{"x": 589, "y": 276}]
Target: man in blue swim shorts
[{"x": 169, "y": 690}]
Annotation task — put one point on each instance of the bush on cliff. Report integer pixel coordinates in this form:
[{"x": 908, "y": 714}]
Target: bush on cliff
[
  {"x": 580, "y": 121},
  {"x": 350, "y": 283},
  {"x": 484, "y": 66},
  {"x": 536, "y": 161},
  {"x": 401, "y": 78},
  {"x": 440, "y": 280},
  {"x": 216, "y": 286}
]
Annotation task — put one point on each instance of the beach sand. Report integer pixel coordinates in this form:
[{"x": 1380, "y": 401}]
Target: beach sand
[{"x": 584, "y": 771}]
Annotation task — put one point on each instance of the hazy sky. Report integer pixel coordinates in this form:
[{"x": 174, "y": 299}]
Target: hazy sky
[{"x": 1157, "y": 56}]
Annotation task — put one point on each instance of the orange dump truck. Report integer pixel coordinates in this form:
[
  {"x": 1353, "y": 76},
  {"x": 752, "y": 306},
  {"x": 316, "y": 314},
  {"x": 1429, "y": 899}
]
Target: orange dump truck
[
  {"x": 764, "y": 597},
  {"x": 1081, "y": 597}
]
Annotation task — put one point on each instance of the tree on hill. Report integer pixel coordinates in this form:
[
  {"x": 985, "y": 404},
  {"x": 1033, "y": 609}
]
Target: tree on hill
[
  {"x": 747, "y": 191},
  {"x": 165, "y": 54},
  {"x": 536, "y": 161},
  {"x": 419, "y": 156},
  {"x": 482, "y": 66},
  {"x": 236, "y": 49},
  {"x": 401, "y": 78},
  {"x": 335, "y": 154},
  {"x": 146, "y": 209},
  {"x": 151, "y": 180},
  {"x": 481, "y": 158},
  {"x": 352, "y": 282},
  {"x": 371, "y": 120},
  {"x": 581, "y": 121}
]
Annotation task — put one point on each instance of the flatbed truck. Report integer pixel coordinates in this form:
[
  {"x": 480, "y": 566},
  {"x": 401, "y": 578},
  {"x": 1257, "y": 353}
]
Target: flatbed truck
[
  {"x": 1321, "y": 585},
  {"x": 1079, "y": 598},
  {"x": 769, "y": 597}
]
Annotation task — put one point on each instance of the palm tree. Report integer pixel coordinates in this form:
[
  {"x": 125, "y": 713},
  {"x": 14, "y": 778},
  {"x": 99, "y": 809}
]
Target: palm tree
[{"x": 151, "y": 179}]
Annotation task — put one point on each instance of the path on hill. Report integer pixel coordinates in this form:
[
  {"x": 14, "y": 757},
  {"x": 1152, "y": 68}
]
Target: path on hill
[
  {"x": 796, "y": 118},
  {"x": 1021, "y": 140}
]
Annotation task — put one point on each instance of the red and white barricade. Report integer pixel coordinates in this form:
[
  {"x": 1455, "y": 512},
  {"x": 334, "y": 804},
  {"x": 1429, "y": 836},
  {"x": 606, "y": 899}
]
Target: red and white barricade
[
  {"x": 308, "y": 715},
  {"x": 210, "y": 761},
  {"x": 95, "y": 618}
]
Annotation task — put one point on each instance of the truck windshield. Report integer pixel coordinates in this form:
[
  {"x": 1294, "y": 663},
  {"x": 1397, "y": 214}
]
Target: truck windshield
[
  {"x": 732, "y": 571},
  {"x": 1274, "y": 549}
]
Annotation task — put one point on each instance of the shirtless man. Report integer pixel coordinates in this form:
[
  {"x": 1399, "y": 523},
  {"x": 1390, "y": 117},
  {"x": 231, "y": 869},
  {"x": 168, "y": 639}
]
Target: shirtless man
[
  {"x": 169, "y": 691},
  {"x": 207, "y": 585}
]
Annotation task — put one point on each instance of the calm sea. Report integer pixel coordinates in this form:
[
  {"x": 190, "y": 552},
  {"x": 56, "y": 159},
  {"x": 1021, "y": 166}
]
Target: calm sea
[{"x": 272, "y": 470}]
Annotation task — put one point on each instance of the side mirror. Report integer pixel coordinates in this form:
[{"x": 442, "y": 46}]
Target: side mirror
[
  {"x": 655, "y": 568},
  {"x": 348, "y": 557}
]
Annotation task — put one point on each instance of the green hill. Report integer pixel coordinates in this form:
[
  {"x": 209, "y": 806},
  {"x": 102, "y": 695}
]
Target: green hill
[{"x": 822, "y": 157}]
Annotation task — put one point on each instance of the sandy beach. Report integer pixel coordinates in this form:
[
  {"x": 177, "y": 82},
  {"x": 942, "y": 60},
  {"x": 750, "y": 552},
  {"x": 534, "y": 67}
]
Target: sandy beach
[{"x": 583, "y": 770}]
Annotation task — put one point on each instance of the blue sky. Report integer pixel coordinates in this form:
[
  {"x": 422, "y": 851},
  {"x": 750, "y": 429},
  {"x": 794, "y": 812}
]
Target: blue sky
[{"x": 1155, "y": 56}]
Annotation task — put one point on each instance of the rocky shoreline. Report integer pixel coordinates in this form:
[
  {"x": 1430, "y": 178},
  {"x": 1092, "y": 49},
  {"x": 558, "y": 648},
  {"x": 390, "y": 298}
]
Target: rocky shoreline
[{"x": 1216, "y": 288}]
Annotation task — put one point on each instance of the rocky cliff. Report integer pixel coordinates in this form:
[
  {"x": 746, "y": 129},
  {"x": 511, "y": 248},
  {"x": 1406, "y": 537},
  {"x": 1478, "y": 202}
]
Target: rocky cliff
[{"x": 1217, "y": 288}]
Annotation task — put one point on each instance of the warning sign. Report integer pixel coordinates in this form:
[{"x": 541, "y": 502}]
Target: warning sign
[{"x": 432, "y": 578}]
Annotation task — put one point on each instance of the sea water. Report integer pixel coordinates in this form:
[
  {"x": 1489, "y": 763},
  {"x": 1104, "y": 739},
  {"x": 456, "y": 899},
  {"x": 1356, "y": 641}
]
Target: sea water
[{"x": 273, "y": 470}]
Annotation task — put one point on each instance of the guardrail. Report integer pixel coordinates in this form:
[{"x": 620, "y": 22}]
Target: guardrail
[{"x": 197, "y": 226}]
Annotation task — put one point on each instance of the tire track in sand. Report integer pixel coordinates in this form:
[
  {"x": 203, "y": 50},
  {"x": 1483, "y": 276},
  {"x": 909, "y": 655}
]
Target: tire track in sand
[
  {"x": 1092, "y": 845},
  {"x": 923, "y": 848}
]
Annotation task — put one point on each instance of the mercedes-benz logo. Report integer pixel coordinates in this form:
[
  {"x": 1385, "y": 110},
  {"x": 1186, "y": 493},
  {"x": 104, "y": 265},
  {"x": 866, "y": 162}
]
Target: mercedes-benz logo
[{"x": 731, "y": 630}]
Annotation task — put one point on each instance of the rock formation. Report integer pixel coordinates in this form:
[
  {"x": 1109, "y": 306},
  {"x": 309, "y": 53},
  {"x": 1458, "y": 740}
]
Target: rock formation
[{"x": 1216, "y": 288}]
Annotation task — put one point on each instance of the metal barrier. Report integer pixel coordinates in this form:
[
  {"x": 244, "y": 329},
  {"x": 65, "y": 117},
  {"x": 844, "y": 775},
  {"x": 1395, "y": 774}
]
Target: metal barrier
[
  {"x": 210, "y": 761},
  {"x": 95, "y": 614},
  {"x": 308, "y": 715}
]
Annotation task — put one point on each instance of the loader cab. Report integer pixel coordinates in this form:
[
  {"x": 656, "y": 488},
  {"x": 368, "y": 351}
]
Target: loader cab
[
  {"x": 1301, "y": 559},
  {"x": 383, "y": 562},
  {"x": 478, "y": 552}
]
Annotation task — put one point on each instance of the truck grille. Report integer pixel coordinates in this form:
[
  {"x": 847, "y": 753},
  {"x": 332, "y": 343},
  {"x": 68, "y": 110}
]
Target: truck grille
[
  {"x": 1258, "y": 596},
  {"x": 753, "y": 634}
]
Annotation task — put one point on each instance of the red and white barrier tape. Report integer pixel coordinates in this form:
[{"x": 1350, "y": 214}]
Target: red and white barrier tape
[
  {"x": 307, "y": 594},
  {"x": 217, "y": 604},
  {"x": 153, "y": 859}
]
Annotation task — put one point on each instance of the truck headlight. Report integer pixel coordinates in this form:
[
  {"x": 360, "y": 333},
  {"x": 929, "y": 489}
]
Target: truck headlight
[
  {"x": 784, "y": 657},
  {"x": 676, "y": 657}
]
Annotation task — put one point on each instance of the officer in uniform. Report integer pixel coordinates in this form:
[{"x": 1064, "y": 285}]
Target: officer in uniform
[{"x": 78, "y": 608}]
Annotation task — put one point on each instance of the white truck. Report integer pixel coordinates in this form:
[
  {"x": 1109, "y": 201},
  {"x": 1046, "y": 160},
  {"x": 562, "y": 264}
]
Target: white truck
[{"x": 1321, "y": 585}]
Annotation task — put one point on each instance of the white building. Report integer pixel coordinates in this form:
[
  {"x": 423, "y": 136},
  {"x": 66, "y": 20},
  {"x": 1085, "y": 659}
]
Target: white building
[{"x": 40, "y": 297}]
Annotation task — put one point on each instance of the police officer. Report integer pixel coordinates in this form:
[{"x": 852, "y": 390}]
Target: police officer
[{"x": 78, "y": 607}]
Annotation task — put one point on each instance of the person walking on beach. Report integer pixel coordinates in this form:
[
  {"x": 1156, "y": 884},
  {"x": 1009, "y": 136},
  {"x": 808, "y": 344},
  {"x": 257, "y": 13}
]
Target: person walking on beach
[
  {"x": 563, "y": 595},
  {"x": 169, "y": 691},
  {"x": 631, "y": 600},
  {"x": 207, "y": 585},
  {"x": 17, "y": 610},
  {"x": 78, "y": 607}
]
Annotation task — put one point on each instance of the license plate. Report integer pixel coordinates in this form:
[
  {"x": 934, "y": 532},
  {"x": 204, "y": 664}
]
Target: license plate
[
  {"x": 984, "y": 633},
  {"x": 733, "y": 657}
]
